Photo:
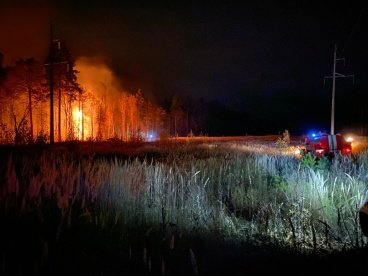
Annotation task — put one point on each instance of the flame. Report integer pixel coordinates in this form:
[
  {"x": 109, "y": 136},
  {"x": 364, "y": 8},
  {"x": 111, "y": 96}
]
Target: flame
[
  {"x": 78, "y": 122},
  {"x": 82, "y": 126}
]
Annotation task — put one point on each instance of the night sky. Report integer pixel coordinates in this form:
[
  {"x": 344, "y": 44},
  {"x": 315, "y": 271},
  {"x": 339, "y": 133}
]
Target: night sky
[{"x": 260, "y": 67}]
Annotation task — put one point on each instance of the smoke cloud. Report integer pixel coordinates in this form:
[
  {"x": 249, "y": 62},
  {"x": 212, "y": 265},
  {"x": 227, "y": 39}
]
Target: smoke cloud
[{"x": 96, "y": 77}]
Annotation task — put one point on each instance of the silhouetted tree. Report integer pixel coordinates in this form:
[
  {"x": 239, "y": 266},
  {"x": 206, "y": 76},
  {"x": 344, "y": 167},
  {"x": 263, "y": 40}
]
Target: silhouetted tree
[
  {"x": 2, "y": 69},
  {"x": 177, "y": 117},
  {"x": 195, "y": 113},
  {"x": 23, "y": 83},
  {"x": 32, "y": 71}
]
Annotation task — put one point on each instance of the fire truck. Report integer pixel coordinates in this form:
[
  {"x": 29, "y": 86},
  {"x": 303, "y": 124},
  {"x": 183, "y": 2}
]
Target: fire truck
[{"x": 323, "y": 144}]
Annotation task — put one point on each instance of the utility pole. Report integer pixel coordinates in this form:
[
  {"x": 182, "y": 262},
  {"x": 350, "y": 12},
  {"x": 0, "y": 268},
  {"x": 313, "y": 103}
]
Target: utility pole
[
  {"x": 51, "y": 86},
  {"x": 56, "y": 57},
  {"x": 334, "y": 76}
]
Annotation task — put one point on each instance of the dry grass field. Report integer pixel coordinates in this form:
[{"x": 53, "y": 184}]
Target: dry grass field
[{"x": 184, "y": 206}]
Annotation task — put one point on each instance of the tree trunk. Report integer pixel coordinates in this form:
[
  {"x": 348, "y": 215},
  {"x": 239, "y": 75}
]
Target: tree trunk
[
  {"x": 30, "y": 107},
  {"x": 59, "y": 115}
]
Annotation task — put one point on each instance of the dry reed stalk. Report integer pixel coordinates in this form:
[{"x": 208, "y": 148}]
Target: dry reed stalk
[
  {"x": 163, "y": 267},
  {"x": 193, "y": 261},
  {"x": 144, "y": 255}
]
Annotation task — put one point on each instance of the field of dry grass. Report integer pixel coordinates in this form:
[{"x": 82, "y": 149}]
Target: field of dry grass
[{"x": 186, "y": 206}]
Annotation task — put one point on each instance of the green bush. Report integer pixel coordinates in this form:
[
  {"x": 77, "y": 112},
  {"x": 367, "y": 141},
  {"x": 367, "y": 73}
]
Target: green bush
[{"x": 308, "y": 161}]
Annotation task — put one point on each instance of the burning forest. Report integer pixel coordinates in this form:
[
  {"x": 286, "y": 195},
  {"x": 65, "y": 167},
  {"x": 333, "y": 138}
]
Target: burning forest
[{"x": 86, "y": 104}]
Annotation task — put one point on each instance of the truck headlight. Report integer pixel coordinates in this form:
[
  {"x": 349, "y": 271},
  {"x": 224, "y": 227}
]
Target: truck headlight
[{"x": 349, "y": 139}]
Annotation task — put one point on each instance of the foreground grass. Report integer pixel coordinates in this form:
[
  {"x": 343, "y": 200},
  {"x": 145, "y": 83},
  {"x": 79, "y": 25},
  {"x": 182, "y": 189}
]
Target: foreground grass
[{"x": 163, "y": 211}]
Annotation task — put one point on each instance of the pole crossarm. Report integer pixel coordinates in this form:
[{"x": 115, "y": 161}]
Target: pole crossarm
[
  {"x": 338, "y": 75},
  {"x": 59, "y": 62}
]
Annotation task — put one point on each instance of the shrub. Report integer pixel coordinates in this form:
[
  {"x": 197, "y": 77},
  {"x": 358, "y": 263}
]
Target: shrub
[
  {"x": 308, "y": 161},
  {"x": 284, "y": 141}
]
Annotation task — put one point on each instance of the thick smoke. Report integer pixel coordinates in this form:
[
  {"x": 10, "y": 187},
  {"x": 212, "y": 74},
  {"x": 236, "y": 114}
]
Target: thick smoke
[{"x": 95, "y": 77}]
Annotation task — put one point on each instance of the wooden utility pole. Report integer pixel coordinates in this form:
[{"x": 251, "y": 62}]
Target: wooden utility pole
[
  {"x": 334, "y": 76},
  {"x": 58, "y": 55},
  {"x": 51, "y": 86}
]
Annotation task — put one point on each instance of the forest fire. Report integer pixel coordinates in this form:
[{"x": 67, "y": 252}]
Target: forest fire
[
  {"x": 62, "y": 99},
  {"x": 88, "y": 104}
]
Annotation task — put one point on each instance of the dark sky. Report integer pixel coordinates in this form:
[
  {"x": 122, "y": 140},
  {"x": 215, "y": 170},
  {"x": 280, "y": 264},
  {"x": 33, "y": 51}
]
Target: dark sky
[{"x": 265, "y": 59}]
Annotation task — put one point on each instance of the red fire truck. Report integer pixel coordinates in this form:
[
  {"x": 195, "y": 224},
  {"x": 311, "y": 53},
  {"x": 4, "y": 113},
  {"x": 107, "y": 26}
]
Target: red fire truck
[{"x": 323, "y": 144}]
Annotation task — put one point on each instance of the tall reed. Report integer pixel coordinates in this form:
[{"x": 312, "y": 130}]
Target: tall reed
[{"x": 219, "y": 190}]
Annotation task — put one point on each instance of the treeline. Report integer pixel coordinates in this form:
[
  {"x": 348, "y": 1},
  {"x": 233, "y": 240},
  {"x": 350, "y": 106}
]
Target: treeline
[{"x": 81, "y": 114}]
